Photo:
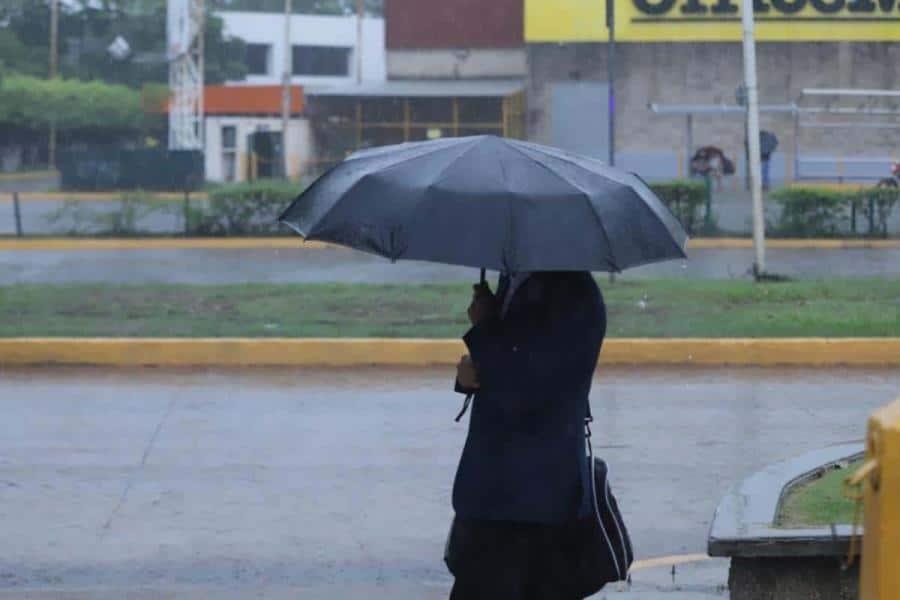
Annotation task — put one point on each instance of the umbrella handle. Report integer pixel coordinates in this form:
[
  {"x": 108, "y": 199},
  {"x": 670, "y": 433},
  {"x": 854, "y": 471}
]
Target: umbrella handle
[{"x": 483, "y": 280}]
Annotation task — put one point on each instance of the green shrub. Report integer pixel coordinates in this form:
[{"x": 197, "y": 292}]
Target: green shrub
[
  {"x": 812, "y": 211},
  {"x": 685, "y": 198},
  {"x": 243, "y": 208},
  {"x": 876, "y": 206}
]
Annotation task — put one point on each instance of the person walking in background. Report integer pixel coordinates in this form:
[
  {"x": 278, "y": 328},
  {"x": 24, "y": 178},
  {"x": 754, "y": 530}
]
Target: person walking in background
[
  {"x": 523, "y": 478},
  {"x": 768, "y": 143}
]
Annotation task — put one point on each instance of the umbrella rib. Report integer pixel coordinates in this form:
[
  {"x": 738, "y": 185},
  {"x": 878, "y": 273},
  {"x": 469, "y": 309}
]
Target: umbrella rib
[
  {"x": 437, "y": 179},
  {"x": 510, "y": 225},
  {"x": 614, "y": 176},
  {"x": 585, "y": 195},
  {"x": 389, "y": 167}
]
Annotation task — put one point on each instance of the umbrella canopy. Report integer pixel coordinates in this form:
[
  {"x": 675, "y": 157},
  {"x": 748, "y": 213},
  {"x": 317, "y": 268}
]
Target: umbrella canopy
[{"x": 488, "y": 202}]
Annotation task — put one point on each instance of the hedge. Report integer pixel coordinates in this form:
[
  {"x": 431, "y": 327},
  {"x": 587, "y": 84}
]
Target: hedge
[
  {"x": 812, "y": 211},
  {"x": 243, "y": 208},
  {"x": 686, "y": 199}
]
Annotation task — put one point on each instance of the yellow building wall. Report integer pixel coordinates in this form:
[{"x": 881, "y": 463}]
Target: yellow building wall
[{"x": 709, "y": 21}]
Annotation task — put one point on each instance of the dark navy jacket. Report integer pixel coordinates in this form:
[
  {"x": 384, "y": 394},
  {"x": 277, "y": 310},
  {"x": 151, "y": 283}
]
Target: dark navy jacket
[{"x": 524, "y": 458}]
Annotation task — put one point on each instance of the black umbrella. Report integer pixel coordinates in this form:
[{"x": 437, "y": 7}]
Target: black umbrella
[{"x": 488, "y": 202}]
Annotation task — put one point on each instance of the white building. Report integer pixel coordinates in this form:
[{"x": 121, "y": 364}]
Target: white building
[
  {"x": 324, "y": 49},
  {"x": 243, "y": 127},
  {"x": 244, "y": 133}
]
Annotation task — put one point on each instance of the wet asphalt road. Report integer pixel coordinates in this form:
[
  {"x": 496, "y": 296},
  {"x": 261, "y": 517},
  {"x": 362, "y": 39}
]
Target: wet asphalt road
[
  {"x": 338, "y": 265},
  {"x": 336, "y": 484}
]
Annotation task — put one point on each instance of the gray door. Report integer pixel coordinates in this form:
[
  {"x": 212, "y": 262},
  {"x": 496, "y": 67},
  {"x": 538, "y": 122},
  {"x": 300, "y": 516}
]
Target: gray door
[{"x": 579, "y": 117}]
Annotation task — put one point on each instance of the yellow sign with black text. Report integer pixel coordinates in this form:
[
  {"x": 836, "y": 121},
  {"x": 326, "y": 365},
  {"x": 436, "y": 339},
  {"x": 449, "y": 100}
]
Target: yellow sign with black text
[{"x": 712, "y": 20}]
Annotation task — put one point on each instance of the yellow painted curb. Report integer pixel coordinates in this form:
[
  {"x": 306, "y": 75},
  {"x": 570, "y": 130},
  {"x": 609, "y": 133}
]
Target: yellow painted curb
[
  {"x": 235, "y": 243},
  {"x": 246, "y": 352},
  {"x": 28, "y": 175}
]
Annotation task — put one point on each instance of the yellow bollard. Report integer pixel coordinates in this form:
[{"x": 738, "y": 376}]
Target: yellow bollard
[{"x": 879, "y": 572}]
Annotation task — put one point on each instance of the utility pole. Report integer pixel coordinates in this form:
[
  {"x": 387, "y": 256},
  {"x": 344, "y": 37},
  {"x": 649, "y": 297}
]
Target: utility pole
[
  {"x": 286, "y": 89},
  {"x": 54, "y": 68},
  {"x": 360, "y": 13},
  {"x": 611, "y": 69},
  {"x": 759, "y": 224},
  {"x": 184, "y": 37}
]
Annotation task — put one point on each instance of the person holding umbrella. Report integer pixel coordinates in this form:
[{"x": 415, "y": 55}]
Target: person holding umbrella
[
  {"x": 524, "y": 477},
  {"x": 535, "y": 517}
]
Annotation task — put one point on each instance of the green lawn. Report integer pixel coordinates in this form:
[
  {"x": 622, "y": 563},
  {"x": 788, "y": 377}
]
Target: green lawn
[
  {"x": 819, "y": 503},
  {"x": 661, "y": 308}
]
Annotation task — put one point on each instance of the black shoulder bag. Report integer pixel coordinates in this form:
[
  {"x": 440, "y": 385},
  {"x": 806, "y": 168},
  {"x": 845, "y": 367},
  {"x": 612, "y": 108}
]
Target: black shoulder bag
[{"x": 604, "y": 548}]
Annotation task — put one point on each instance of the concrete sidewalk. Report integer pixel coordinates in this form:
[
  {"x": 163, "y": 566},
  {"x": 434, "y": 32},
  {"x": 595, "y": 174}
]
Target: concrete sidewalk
[{"x": 336, "y": 484}]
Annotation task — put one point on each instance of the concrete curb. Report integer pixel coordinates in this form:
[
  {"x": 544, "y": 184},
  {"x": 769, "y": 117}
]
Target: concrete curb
[
  {"x": 235, "y": 243},
  {"x": 246, "y": 352},
  {"x": 744, "y": 523}
]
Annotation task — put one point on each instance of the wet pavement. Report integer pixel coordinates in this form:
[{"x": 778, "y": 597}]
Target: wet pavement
[
  {"x": 336, "y": 484},
  {"x": 306, "y": 265}
]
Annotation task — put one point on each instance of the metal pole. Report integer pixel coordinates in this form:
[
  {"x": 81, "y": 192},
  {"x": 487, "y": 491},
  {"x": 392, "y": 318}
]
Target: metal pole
[
  {"x": 611, "y": 70},
  {"x": 796, "y": 145},
  {"x": 611, "y": 92},
  {"x": 759, "y": 233},
  {"x": 18, "y": 214},
  {"x": 689, "y": 141},
  {"x": 360, "y": 12},
  {"x": 201, "y": 73},
  {"x": 187, "y": 213},
  {"x": 53, "y": 67},
  {"x": 286, "y": 89}
]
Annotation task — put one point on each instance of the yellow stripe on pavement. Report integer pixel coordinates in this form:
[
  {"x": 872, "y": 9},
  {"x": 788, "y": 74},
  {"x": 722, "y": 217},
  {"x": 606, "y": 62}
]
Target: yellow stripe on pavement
[{"x": 667, "y": 561}]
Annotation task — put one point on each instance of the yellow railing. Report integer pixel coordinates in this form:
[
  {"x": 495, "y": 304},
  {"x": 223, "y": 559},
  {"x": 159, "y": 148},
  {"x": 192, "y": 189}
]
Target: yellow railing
[{"x": 879, "y": 477}]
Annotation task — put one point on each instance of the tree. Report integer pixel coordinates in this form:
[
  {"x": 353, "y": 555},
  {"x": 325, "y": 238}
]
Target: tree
[
  {"x": 30, "y": 103},
  {"x": 317, "y": 7},
  {"x": 87, "y": 28}
]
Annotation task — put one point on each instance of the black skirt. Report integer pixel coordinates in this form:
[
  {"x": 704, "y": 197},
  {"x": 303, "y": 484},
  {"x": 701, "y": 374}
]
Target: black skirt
[{"x": 511, "y": 560}]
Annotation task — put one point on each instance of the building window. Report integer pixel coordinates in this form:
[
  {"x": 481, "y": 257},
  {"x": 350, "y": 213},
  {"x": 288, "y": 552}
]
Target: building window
[
  {"x": 257, "y": 59},
  {"x": 331, "y": 61},
  {"x": 229, "y": 152}
]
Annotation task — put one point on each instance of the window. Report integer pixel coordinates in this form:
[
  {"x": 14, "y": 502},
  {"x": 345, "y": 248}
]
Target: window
[
  {"x": 321, "y": 60},
  {"x": 229, "y": 152},
  {"x": 229, "y": 137},
  {"x": 257, "y": 59}
]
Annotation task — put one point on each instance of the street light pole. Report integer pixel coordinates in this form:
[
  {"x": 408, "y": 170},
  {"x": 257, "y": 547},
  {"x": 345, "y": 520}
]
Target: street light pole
[
  {"x": 360, "y": 13},
  {"x": 611, "y": 70},
  {"x": 286, "y": 89},
  {"x": 53, "y": 68},
  {"x": 759, "y": 232}
]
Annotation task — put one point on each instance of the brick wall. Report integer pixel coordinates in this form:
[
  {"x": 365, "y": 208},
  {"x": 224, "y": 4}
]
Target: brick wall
[
  {"x": 709, "y": 73},
  {"x": 454, "y": 24}
]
